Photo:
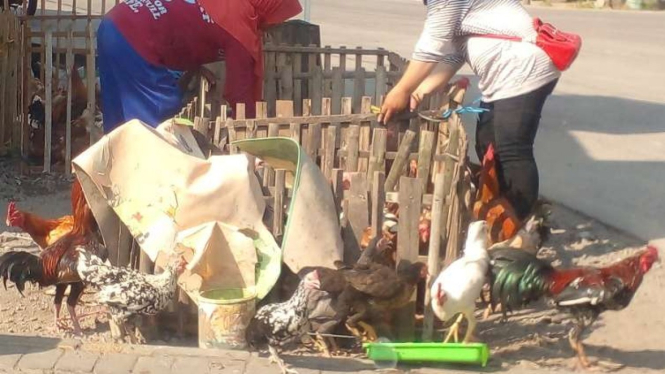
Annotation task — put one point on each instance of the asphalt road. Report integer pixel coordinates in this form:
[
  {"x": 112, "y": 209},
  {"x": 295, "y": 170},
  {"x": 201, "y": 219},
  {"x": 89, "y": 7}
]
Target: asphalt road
[{"x": 601, "y": 145}]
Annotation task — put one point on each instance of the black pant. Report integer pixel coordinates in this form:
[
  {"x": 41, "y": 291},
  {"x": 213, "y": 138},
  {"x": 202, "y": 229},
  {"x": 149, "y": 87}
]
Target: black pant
[{"x": 511, "y": 125}]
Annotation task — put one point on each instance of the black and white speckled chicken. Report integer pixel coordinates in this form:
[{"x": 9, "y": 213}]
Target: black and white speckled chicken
[
  {"x": 127, "y": 292},
  {"x": 279, "y": 324}
]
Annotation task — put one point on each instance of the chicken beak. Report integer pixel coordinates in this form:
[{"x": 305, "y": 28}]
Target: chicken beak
[{"x": 313, "y": 284}]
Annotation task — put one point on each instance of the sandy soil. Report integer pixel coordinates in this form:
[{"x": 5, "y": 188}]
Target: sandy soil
[{"x": 531, "y": 339}]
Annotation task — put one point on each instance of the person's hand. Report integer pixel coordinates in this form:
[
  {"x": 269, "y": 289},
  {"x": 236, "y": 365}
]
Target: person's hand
[
  {"x": 416, "y": 99},
  {"x": 208, "y": 75},
  {"x": 396, "y": 101}
]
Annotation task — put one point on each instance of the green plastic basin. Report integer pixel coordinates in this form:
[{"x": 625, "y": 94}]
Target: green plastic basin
[{"x": 473, "y": 353}]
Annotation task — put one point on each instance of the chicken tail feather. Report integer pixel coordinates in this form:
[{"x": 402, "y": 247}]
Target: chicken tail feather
[
  {"x": 19, "y": 268},
  {"x": 521, "y": 281}
]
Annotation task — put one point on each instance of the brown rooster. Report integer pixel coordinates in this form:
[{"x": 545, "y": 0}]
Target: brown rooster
[
  {"x": 519, "y": 278},
  {"x": 56, "y": 264},
  {"x": 43, "y": 231},
  {"x": 490, "y": 206},
  {"x": 37, "y": 121}
]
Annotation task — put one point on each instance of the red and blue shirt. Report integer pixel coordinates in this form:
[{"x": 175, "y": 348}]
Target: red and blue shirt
[{"x": 180, "y": 35}]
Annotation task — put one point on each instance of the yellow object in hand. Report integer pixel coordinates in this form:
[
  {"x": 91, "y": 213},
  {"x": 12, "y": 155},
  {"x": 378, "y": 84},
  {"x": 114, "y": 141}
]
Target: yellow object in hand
[{"x": 375, "y": 109}]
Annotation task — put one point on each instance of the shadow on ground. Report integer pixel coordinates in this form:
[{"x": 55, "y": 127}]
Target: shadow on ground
[{"x": 14, "y": 344}]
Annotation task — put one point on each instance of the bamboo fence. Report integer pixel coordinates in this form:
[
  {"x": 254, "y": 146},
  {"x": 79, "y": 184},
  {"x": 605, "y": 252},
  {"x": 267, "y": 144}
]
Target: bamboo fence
[{"x": 354, "y": 146}]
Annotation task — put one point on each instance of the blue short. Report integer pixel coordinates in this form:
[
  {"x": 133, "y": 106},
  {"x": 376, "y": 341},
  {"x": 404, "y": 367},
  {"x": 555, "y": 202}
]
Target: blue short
[{"x": 132, "y": 88}]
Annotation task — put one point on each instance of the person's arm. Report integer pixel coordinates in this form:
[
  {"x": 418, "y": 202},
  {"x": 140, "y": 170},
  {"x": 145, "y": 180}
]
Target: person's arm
[
  {"x": 436, "y": 45},
  {"x": 239, "y": 78},
  {"x": 438, "y": 79}
]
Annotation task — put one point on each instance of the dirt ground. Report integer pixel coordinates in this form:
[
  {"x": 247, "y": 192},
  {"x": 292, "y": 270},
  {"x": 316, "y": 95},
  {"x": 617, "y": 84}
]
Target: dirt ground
[{"x": 531, "y": 339}]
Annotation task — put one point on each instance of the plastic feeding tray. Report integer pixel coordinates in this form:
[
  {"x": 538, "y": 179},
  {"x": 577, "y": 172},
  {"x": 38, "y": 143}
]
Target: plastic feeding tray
[{"x": 474, "y": 353}]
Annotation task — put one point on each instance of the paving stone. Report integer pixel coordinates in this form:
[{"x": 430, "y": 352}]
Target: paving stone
[
  {"x": 260, "y": 365},
  {"x": 153, "y": 365},
  {"x": 225, "y": 354},
  {"x": 116, "y": 363},
  {"x": 219, "y": 366},
  {"x": 8, "y": 362},
  {"x": 40, "y": 361},
  {"x": 191, "y": 365},
  {"x": 76, "y": 361}
]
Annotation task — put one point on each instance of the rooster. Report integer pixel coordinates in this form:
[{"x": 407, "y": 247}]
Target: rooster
[
  {"x": 456, "y": 289},
  {"x": 279, "y": 324},
  {"x": 56, "y": 265},
  {"x": 583, "y": 292},
  {"x": 386, "y": 253},
  {"x": 44, "y": 232},
  {"x": 127, "y": 292},
  {"x": 490, "y": 206},
  {"x": 37, "y": 121}
]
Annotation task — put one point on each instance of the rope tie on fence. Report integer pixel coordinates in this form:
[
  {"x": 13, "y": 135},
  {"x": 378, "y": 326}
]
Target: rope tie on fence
[{"x": 449, "y": 112}]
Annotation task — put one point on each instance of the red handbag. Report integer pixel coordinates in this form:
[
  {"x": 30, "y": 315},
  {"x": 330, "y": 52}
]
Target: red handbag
[{"x": 562, "y": 47}]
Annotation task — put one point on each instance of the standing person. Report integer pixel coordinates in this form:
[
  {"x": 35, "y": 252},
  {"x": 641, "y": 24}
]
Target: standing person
[
  {"x": 515, "y": 79},
  {"x": 145, "y": 46}
]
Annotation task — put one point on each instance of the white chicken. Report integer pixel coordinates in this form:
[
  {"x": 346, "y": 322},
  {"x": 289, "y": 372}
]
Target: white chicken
[{"x": 458, "y": 286}]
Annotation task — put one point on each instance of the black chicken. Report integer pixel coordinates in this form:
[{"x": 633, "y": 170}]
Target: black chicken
[{"x": 279, "y": 324}]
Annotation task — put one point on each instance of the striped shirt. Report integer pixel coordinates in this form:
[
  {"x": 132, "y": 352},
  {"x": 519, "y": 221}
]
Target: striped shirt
[{"x": 505, "y": 68}]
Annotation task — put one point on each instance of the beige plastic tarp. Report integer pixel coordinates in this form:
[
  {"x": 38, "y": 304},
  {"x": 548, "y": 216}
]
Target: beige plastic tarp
[
  {"x": 159, "y": 185},
  {"x": 312, "y": 236}
]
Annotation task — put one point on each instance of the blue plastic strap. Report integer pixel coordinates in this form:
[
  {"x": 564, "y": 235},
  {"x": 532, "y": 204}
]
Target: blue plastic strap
[{"x": 464, "y": 109}]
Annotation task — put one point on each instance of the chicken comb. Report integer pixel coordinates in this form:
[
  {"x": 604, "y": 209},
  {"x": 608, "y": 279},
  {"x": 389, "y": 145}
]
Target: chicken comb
[
  {"x": 652, "y": 249},
  {"x": 489, "y": 154},
  {"x": 11, "y": 212},
  {"x": 463, "y": 83},
  {"x": 11, "y": 206}
]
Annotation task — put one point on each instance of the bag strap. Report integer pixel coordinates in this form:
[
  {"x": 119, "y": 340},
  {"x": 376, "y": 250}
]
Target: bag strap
[
  {"x": 537, "y": 25},
  {"x": 493, "y": 36}
]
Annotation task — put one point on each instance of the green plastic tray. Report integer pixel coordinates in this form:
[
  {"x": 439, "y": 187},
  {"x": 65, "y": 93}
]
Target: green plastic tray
[{"x": 474, "y": 353}]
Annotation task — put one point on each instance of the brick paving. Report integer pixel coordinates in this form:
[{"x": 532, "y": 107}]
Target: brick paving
[{"x": 52, "y": 356}]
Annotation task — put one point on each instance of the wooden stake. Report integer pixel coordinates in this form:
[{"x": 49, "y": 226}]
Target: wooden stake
[
  {"x": 278, "y": 208},
  {"x": 378, "y": 201},
  {"x": 49, "y": 101},
  {"x": 410, "y": 197},
  {"x": 400, "y": 161},
  {"x": 91, "y": 80},
  {"x": 69, "y": 65}
]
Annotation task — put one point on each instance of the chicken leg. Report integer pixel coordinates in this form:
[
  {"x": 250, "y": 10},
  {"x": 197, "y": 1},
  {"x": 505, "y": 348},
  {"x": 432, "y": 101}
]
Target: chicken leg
[
  {"x": 454, "y": 330},
  {"x": 584, "y": 320},
  {"x": 322, "y": 345},
  {"x": 471, "y": 326},
  {"x": 576, "y": 344},
  {"x": 75, "y": 293},
  {"x": 370, "y": 333},
  {"x": 57, "y": 305},
  {"x": 275, "y": 359}
]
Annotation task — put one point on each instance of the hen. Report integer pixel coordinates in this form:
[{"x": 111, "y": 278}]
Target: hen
[
  {"x": 43, "y": 231},
  {"x": 323, "y": 303},
  {"x": 279, "y": 324},
  {"x": 57, "y": 263},
  {"x": 127, "y": 292},
  {"x": 584, "y": 292},
  {"x": 368, "y": 291},
  {"x": 456, "y": 289}
]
